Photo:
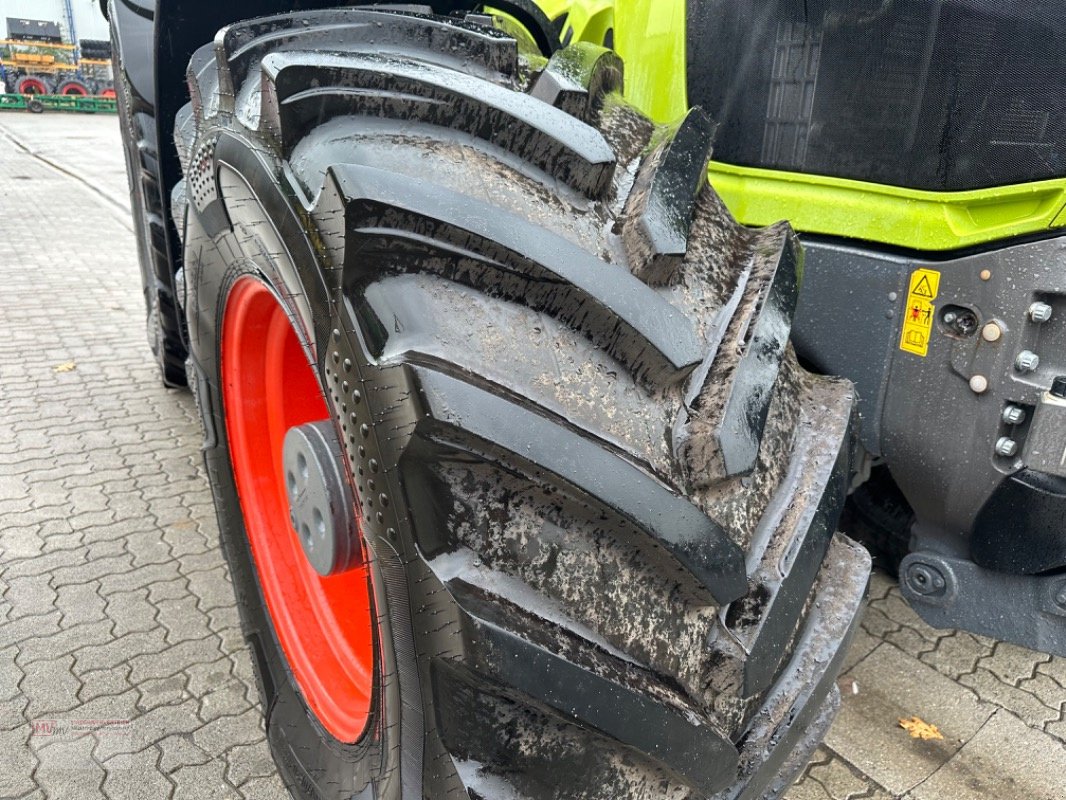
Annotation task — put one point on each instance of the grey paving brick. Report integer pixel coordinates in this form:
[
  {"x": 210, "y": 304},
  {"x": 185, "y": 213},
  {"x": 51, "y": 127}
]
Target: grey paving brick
[
  {"x": 64, "y": 642},
  {"x": 131, "y": 612},
  {"x": 228, "y": 699},
  {"x": 13, "y": 712},
  {"x": 212, "y": 587},
  {"x": 130, "y": 777},
  {"x": 1046, "y": 690},
  {"x": 10, "y": 673},
  {"x": 223, "y": 733},
  {"x": 168, "y": 590},
  {"x": 80, "y": 603},
  {"x": 1057, "y": 729},
  {"x": 177, "y": 751},
  {"x": 247, "y": 761},
  {"x": 1012, "y": 664},
  {"x": 117, "y": 651},
  {"x": 151, "y": 726},
  {"x": 829, "y": 777},
  {"x": 183, "y": 619},
  {"x": 266, "y": 788},
  {"x": 137, "y": 578},
  {"x": 1025, "y": 705},
  {"x": 93, "y": 569},
  {"x": 148, "y": 547},
  {"x": 894, "y": 686},
  {"x": 1055, "y": 668},
  {"x": 1005, "y": 759},
  {"x": 101, "y": 682},
  {"x": 50, "y": 687},
  {"x": 162, "y": 692},
  {"x": 203, "y": 782},
  {"x": 957, "y": 654},
  {"x": 67, "y": 768},
  {"x": 16, "y": 778},
  {"x": 209, "y": 676},
  {"x": 173, "y": 659},
  {"x": 877, "y": 624}
]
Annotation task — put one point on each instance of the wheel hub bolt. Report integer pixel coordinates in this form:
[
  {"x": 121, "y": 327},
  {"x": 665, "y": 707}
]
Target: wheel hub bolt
[
  {"x": 1006, "y": 447},
  {"x": 321, "y": 505},
  {"x": 1039, "y": 312},
  {"x": 1027, "y": 361},
  {"x": 1013, "y": 415}
]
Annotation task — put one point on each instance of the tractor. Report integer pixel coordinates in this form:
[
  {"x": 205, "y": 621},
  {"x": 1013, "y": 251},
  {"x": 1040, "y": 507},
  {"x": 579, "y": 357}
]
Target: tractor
[{"x": 518, "y": 399}]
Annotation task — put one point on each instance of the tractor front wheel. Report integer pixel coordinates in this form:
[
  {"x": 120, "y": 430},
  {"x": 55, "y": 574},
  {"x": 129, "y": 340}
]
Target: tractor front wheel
[{"x": 523, "y": 491}]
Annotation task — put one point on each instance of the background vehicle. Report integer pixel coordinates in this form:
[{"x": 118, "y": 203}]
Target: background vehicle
[
  {"x": 523, "y": 490},
  {"x": 40, "y": 57}
]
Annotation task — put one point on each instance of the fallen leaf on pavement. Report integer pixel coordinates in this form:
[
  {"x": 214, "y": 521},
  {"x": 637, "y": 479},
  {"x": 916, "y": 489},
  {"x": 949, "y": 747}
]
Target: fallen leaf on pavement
[
  {"x": 920, "y": 729},
  {"x": 66, "y": 366}
]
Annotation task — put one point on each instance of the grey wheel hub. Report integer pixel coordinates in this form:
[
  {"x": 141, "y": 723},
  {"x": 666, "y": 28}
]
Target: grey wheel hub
[{"x": 321, "y": 505}]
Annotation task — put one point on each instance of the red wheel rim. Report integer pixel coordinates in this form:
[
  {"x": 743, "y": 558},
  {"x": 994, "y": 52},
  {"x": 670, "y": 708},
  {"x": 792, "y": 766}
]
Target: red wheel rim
[
  {"x": 32, "y": 86},
  {"x": 75, "y": 89},
  {"x": 324, "y": 625},
  {"x": 107, "y": 93}
]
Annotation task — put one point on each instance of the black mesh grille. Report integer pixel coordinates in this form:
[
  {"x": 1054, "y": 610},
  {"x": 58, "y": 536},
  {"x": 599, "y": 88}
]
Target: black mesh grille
[{"x": 942, "y": 95}]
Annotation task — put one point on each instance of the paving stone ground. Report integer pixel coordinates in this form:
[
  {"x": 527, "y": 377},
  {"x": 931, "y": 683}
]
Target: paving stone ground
[{"x": 115, "y": 604}]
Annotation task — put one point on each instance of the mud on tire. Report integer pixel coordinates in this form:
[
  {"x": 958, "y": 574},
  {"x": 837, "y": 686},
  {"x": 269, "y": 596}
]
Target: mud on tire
[{"x": 599, "y": 494}]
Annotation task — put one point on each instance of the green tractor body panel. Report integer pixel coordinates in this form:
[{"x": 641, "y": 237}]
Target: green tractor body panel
[
  {"x": 649, "y": 36},
  {"x": 892, "y": 215}
]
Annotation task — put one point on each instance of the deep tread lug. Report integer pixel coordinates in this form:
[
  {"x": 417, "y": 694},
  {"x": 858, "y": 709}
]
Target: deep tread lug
[
  {"x": 577, "y": 78},
  {"x": 698, "y": 754},
  {"x": 768, "y": 616},
  {"x": 632, "y": 322},
  {"x": 690, "y": 537},
  {"x": 731, "y": 410},
  {"x": 376, "y": 86},
  {"x": 485, "y": 51},
  {"x": 664, "y": 197}
]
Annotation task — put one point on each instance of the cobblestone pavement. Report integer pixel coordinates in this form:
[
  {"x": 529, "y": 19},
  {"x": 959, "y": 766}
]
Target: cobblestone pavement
[{"x": 115, "y": 603}]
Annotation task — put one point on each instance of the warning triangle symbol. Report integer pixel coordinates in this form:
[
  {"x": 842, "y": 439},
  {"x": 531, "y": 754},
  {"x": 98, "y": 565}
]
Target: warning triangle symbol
[{"x": 923, "y": 289}]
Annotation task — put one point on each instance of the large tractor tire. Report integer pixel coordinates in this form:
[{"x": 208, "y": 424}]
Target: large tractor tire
[
  {"x": 163, "y": 316},
  {"x": 523, "y": 492},
  {"x": 74, "y": 88},
  {"x": 879, "y": 517},
  {"x": 33, "y": 84}
]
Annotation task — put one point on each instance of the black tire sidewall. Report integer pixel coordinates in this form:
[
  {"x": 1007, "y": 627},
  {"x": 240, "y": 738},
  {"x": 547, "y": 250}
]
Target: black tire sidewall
[{"x": 312, "y": 762}]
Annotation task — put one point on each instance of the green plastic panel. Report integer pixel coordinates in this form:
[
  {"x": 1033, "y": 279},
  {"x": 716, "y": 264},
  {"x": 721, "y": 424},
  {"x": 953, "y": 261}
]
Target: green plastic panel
[{"x": 889, "y": 214}]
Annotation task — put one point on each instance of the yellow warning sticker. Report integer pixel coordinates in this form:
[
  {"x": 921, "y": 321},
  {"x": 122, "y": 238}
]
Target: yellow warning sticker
[{"x": 919, "y": 312}]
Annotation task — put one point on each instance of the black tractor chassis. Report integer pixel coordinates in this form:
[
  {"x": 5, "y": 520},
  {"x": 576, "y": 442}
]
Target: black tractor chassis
[{"x": 973, "y": 432}]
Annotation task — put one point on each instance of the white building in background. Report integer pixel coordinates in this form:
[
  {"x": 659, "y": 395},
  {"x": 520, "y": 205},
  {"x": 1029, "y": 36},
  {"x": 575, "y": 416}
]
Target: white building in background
[{"x": 89, "y": 23}]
